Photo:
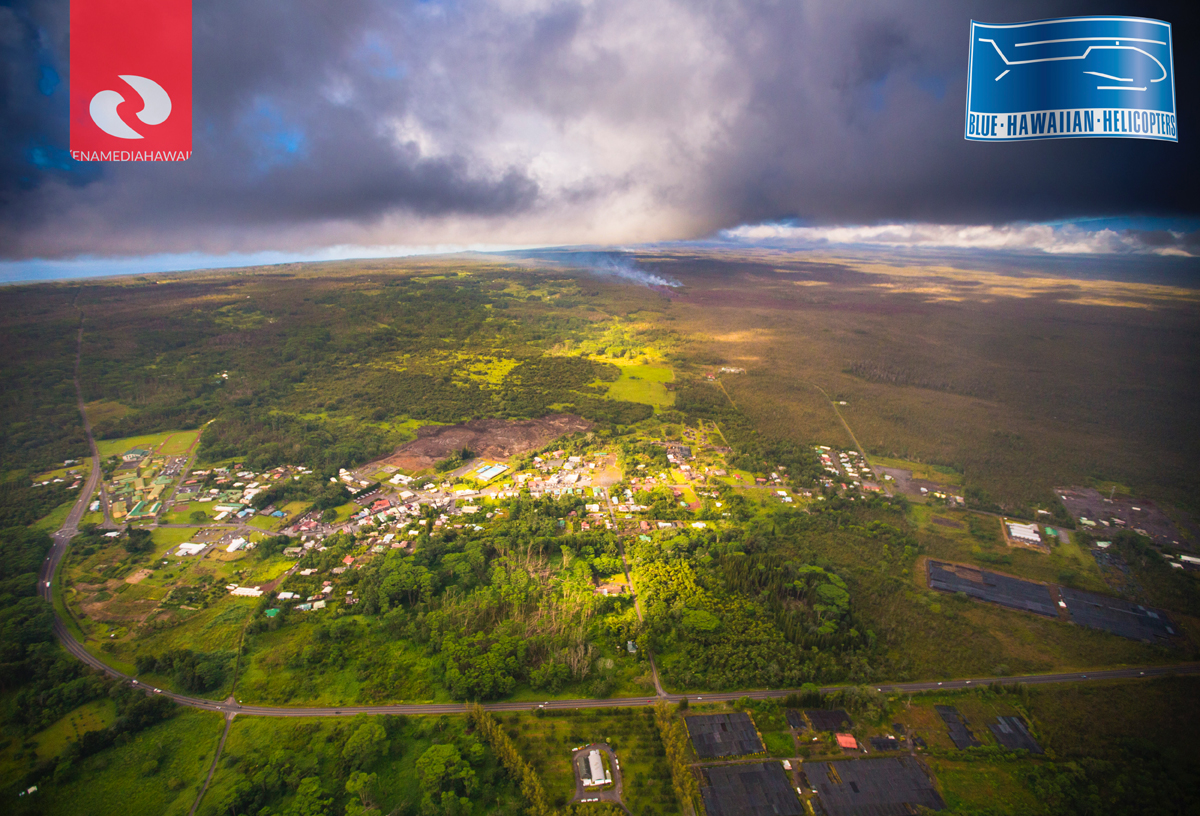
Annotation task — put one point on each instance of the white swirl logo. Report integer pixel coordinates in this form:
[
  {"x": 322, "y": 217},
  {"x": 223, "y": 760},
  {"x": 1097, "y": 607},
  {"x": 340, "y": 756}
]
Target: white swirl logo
[{"x": 156, "y": 107}]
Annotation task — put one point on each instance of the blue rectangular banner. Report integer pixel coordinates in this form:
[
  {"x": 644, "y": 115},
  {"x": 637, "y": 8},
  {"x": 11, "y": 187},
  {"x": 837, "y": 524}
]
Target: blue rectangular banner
[{"x": 1075, "y": 77}]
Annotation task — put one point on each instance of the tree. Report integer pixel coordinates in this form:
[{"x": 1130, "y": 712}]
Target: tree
[
  {"x": 367, "y": 743},
  {"x": 442, "y": 768},
  {"x": 362, "y": 785},
  {"x": 138, "y": 541},
  {"x": 329, "y": 515},
  {"x": 197, "y": 517},
  {"x": 308, "y": 801}
]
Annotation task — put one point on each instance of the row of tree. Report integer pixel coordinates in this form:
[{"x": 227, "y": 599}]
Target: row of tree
[
  {"x": 520, "y": 770},
  {"x": 673, "y": 732}
]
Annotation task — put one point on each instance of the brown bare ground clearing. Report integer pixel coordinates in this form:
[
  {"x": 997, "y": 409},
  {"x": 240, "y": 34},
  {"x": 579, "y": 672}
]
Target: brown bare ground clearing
[
  {"x": 139, "y": 576},
  {"x": 488, "y": 438},
  {"x": 945, "y": 522},
  {"x": 908, "y": 485},
  {"x": 1140, "y": 514}
]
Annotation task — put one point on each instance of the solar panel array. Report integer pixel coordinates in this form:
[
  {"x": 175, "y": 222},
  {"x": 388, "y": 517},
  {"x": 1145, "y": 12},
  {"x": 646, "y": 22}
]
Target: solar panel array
[
  {"x": 1118, "y": 616},
  {"x": 990, "y": 586}
]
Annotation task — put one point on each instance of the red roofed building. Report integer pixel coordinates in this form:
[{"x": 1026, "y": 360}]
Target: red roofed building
[
  {"x": 847, "y": 741},
  {"x": 348, "y": 560}
]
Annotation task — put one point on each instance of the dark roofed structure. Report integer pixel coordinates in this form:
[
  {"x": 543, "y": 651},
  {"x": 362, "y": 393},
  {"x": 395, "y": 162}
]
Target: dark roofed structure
[
  {"x": 749, "y": 789},
  {"x": 888, "y": 743},
  {"x": 960, "y": 735},
  {"x": 1012, "y": 733},
  {"x": 893, "y": 786},
  {"x": 835, "y": 720},
  {"x": 721, "y": 735},
  {"x": 796, "y": 720}
]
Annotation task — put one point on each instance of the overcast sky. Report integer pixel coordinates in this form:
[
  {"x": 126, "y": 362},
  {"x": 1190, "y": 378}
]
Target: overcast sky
[{"x": 324, "y": 123}]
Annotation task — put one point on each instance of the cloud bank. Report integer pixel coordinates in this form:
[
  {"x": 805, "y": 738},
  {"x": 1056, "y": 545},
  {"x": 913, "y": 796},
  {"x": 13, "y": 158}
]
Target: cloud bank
[
  {"x": 1066, "y": 239},
  {"x": 535, "y": 122}
]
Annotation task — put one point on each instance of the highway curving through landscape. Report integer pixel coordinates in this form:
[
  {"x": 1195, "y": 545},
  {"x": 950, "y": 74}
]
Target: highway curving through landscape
[{"x": 231, "y": 707}]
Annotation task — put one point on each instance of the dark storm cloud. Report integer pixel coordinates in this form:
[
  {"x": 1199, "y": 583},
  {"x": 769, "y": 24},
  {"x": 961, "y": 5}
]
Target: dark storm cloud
[
  {"x": 886, "y": 144},
  {"x": 335, "y": 121}
]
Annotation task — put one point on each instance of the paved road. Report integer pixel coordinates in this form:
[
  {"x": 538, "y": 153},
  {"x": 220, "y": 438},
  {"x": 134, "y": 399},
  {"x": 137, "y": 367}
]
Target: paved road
[
  {"x": 228, "y": 707},
  {"x": 71, "y": 526}
]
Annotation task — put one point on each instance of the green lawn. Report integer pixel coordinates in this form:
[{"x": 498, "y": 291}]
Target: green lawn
[
  {"x": 167, "y": 537},
  {"x": 104, "y": 411},
  {"x": 92, "y": 518},
  {"x": 159, "y": 771},
  {"x": 88, "y": 717},
  {"x": 217, "y": 628},
  {"x": 295, "y": 508},
  {"x": 267, "y": 523},
  {"x": 779, "y": 744}
]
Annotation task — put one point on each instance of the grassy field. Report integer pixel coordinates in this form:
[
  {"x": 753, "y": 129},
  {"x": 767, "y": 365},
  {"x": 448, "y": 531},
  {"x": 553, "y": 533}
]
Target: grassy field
[
  {"x": 932, "y": 473},
  {"x": 150, "y": 442},
  {"x": 547, "y": 743},
  {"x": 214, "y": 629},
  {"x": 55, "y": 518},
  {"x": 266, "y": 523},
  {"x": 83, "y": 468},
  {"x": 89, "y": 717},
  {"x": 933, "y": 635},
  {"x": 183, "y": 516},
  {"x": 645, "y": 384},
  {"x": 178, "y": 443},
  {"x": 160, "y": 770},
  {"x": 104, "y": 411},
  {"x": 996, "y": 787},
  {"x": 51, "y": 741},
  {"x": 275, "y": 671},
  {"x": 92, "y": 518},
  {"x": 1116, "y": 721},
  {"x": 1092, "y": 719},
  {"x": 1066, "y": 563},
  {"x": 121, "y": 620},
  {"x": 1004, "y": 380}
]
